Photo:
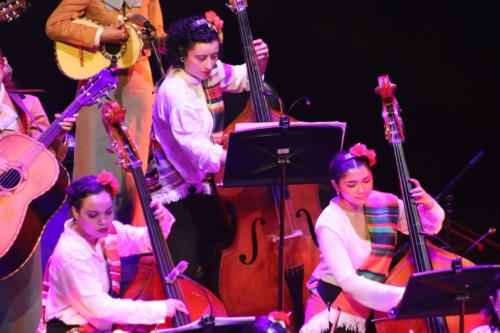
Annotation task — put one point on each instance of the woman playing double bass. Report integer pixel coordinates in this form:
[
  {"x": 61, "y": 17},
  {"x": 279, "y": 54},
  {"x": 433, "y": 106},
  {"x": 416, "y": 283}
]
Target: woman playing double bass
[
  {"x": 83, "y": 267},
  {"x": 357, "y": 235},
  {"x": 187, "y": 147}
]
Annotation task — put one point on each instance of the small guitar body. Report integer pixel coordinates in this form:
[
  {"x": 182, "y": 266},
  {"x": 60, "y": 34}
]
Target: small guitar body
[
  {"x": 78, "y": 63},
  {"x": 33, "y": 187}
]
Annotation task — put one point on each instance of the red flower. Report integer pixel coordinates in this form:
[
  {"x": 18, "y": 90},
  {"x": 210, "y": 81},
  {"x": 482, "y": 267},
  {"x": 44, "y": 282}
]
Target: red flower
[
  {"x": 214, "y": 20},
  {"x": 280, "y": 317},
  {"x": 106, "y": 178},
  {"x": 360, "y": 150}
]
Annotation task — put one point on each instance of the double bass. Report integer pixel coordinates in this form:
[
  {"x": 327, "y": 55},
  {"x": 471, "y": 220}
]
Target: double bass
[
  {"x": 249, "y": 268},
  {"x": 156, "y": 278},
  {"x": 424, "y": 256}
]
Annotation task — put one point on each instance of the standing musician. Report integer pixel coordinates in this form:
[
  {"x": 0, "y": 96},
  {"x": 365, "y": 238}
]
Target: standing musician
[
  {"x": 24, "y": 114},
  {"x": 357, "y": 235},
  {"x": 134, "y": 88},
  {"x": 187, "y": 138},
  {"x": 87, "y": 257}
]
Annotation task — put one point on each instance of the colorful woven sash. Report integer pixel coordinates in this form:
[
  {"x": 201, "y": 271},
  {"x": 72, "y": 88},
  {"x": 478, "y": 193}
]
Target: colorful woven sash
[
  {"x": 382, "y": 214},
  {"x": 160, "y": 172}
]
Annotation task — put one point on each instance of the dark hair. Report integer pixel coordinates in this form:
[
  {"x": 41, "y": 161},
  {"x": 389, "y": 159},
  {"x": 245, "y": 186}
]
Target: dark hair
[
  {"x": 344, "y": 161},
  {"x": 83, "y": 187},
  {"x": 184, "y": 33}
]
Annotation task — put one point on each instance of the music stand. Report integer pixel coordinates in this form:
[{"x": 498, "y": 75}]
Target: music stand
[
  {"x": 210, "y": 324},
  {"x": 446, "y": 292},
  {"x": 272, "y": 154}
]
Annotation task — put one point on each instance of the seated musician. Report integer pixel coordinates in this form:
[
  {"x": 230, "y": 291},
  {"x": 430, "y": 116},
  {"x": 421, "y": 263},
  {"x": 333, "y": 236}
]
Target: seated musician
[
  {"x": 82, "y": 277},
  {"x": 356, "y": 233}
]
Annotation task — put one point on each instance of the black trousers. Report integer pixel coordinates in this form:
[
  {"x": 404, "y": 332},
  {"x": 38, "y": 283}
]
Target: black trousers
[
  {"x": 57, "y": 326},
  {"x": 200, "y": 231}
]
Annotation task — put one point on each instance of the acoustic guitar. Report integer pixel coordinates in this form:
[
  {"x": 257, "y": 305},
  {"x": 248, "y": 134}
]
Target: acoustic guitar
[
  {"x": 33, "y": 188},
  {"x": 79, "y": 63}
]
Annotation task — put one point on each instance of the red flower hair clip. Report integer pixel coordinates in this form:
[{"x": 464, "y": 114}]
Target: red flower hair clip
[
  {"x": 215, "y": 21},
  {"x": 106, "y": 178},
  {"x": 360, "y": 150}
]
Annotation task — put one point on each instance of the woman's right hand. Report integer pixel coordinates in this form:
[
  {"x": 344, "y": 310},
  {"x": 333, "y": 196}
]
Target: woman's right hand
[
  {"x": 115, "y": 33},
  {"x": 174, "y": 305}
]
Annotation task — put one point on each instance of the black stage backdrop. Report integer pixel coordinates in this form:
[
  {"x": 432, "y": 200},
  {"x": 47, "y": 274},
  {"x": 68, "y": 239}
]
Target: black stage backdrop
[{"x": 443, "y": 55}]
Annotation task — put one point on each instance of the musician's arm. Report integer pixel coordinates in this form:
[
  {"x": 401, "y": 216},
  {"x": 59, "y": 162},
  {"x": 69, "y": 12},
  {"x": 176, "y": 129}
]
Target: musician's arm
[
  {"x": 156, "y": 18},
  {"x": 59, "y": 26}
]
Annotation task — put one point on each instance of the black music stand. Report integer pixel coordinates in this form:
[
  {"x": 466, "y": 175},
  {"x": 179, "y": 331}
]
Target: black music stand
[
  {"x": 210, "y": 324},
  {"x": 282, "y": 154},
  {"x": 446, "y": 292}
]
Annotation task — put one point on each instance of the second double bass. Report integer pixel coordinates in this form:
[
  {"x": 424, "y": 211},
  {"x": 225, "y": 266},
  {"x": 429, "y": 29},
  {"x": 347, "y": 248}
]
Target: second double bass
[
  {"x": 156, "y": 278},
  {"x": 423, "y": 256},
  {"x": 249, "y": 269}
]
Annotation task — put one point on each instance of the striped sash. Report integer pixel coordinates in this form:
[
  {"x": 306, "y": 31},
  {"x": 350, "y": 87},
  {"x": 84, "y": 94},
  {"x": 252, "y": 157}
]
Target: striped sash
[
  {"x": 161, "y": 174},
  {"x": 382, "y": 214}
]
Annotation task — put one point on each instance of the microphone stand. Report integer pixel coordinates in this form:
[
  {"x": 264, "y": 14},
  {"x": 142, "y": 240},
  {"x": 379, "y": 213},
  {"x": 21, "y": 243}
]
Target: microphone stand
[
  {"x": 154, "y": 48},
  {"x": 449, "y": 196}
]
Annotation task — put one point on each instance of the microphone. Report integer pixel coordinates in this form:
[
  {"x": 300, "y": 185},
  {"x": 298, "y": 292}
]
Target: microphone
[
  {"x": 487, "y": 233},
  {"x": 140, "y": 20},
  {"x": 306, "y": 100}
]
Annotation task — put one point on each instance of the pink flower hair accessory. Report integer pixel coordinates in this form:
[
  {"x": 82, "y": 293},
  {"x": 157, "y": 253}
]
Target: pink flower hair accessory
[
  {"x": 360, "y": 150},
  {"x": 106, "y": 178},
  {"x": 215, "y": 21}
]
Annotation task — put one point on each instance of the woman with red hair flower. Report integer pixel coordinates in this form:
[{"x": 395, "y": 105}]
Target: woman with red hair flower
[
  {"x": 82, "y": 277},
  {"x": 356, "y": 233}
]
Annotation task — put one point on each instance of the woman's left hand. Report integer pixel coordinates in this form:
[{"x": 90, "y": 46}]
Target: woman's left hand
[
  {"x": 162, "y": 215},
  {"x": 262, "y": 54},
  {"x": 420, "y": 196},
  {"x": 67, "y": 123}
]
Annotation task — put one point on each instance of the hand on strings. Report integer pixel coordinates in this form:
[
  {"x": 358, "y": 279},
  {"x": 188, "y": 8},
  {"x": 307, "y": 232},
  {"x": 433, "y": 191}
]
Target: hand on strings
[
  {"x": 174, "y": 305},
  {"x": 162, "y": 215},
  {"x": 114, "y": 33},
  {"x": 262, "y": 54},
  {"x": 420, "y": 196},
  {"x": 67, "y": 123}
]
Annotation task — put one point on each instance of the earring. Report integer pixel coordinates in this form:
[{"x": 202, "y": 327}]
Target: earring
[{"x": 183, "y": 59}]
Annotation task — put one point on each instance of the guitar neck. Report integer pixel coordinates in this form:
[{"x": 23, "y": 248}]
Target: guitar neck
[
  {"x": 51, "y": 133},
  {"x": 259, "y": 103}
]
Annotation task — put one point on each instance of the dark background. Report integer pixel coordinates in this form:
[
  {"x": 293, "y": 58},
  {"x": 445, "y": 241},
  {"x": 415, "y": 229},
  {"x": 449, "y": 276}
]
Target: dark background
[{"x": 443, "y": 55}]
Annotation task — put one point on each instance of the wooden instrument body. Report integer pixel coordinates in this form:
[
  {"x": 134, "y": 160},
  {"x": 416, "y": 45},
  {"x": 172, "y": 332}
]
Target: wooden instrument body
[
  {"x": 78, "y": 63},
  {"x": 400, "y": 275},
  {"x": 249, "y": 267},
  {"x": 27, "y": 207}
]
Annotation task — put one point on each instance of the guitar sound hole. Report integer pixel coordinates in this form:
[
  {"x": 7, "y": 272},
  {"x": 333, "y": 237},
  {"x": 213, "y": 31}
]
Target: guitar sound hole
[
  {"x": 10, "y": 179},
  {"x": 113, "y": 48}
]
